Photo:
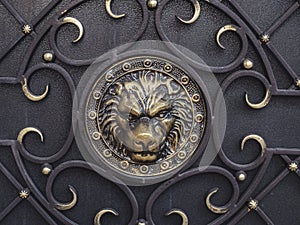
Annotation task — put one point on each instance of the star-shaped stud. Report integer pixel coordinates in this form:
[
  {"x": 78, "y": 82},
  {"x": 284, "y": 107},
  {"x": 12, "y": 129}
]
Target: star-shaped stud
[
  {"x": 253, "y": 204},
  {"x": 293, "y": 167},
  {"x": 23, "y": 194},
  {"x": 265, "y": 38},
  {"x": 26, "y": 29}
]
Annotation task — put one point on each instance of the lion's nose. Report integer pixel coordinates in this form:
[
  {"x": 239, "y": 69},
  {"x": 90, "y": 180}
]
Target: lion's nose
[{"x": 145, "y": 140}]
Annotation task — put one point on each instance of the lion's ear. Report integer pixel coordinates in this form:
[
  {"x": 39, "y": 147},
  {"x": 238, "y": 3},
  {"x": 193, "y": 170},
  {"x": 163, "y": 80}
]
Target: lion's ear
[{"x": 116, "y": 89}]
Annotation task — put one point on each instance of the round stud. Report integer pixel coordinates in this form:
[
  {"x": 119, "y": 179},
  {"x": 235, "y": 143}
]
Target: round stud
[
  {"x": 168, "y": 68},
  {"x": 193, "y": 138},
  {"x": 26, "y": 29},
  {"x": 185, "y": 80},
  {"x": 107, "y": 153},
  {"x": 152, "y": 4},
  {"x": 241, "y": 176},
  {"x": 248, "y": 64},
  {"x": 164, "y": 165},
  {"x": 124, "y": 164},
  {"x": 96, "y": 95},
  {"x": 147, "y": 63},
  {"x": 196, "y": 98},
  {"x": 109, "y": 77},
  {"x": 48, "y": 57},
  {"x": 182, "y": 155},
  {"x": 126, "y": 66},
  {"x": 96, "y": 136},
  {"x": 298, "y": 83},
  {"x": 46, "y": 169},
  {"x": 92, "y": 115},
  {"x": 144, "y": 169},
  {"x": 199, "y": 118}
]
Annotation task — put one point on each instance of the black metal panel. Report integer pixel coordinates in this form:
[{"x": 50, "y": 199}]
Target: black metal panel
[{"x": 272, "y": 177}]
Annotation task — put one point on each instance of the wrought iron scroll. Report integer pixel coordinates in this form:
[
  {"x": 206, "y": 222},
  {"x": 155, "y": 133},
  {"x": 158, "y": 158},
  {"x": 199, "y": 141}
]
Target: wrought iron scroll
[{"x": 240, "y": 204}]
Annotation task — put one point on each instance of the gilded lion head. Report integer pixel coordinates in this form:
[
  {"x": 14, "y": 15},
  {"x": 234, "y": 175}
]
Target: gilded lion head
[{"x": 145, "y": 116}]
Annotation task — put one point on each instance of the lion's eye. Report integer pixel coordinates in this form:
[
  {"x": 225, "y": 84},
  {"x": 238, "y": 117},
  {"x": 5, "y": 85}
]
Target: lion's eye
[{"x": 162, "y": 114}]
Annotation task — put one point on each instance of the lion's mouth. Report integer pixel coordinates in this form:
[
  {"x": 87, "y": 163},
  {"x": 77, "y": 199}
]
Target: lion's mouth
[{"x": 144, "y": 156}]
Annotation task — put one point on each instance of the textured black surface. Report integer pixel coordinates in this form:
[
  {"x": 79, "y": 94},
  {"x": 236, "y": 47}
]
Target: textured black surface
[{"x": 278, "y": 123}]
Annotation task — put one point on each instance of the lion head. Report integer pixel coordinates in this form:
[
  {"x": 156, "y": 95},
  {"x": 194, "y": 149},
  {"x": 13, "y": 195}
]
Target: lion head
[{"x": 145, "y": 116}]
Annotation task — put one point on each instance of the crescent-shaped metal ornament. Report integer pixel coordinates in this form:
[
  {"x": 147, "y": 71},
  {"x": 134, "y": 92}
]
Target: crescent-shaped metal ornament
[
  {"x": 185, "y": 219},
  {"x": 71, "y": 204},
  {"x": 213, "y": 208},
  {"x": 108, "y": 10},
  {"x": 262, "y": 104},
  {"x": 30, "y": 96},
  {"x": 78, "y": 24},
  {"x": 221, "y": 31},
  {"x": 195, "y": 16},
  {"x": 97, "y": 219},
  {"x": 26, "y": 130},
  {"x": 257, "y": 138}
]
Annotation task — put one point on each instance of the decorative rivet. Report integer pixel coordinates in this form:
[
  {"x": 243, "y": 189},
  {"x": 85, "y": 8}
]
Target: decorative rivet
[
  {"x": 46, "y": 169},
  {"x": 152, "y": 4},
  {"x": 248, "y": 64},
  {"x": 92, "y": 115},
  {"x": 194, "y": 138},
  {"x": 26, "y": 29},
  {"x": 185, "y": 80},
  {"x": 24, "y": 194},
  {"x": 107, "y": 153},
  {"x": 199, "y": 118},
  {"x": 265, "y": 38},
  {"x": 96, "y": 95},
  {"x": 126, "y": 66},
  {"x": 168, "y": 68},
  {"x": 182, "y": 155},
  {"x": 164, "y": 165},
  {"x": 109, "y": 77},
  {"x": 293, "y": 167},
  {"x": 96, "y": 136},
  {"x": 147, "y": 63},
  {"x": 298, "y": 83},
  {"x": 241, "y": 176},
  {"x": 196, "y": 98},
  {"x": 144, "y": 169},
  {"x": 252, "y": 205},
  {"x": 124, "y": 164},
  {"x": 48, "y": 57}
]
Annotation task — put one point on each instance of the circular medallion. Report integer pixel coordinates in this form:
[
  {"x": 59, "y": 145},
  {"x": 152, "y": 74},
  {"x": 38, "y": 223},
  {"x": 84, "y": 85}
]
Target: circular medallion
[{"x": 145, "y": 116}]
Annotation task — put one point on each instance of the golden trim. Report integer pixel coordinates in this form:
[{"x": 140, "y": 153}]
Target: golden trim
[
  {"x": 213, "y": 208},
  {"x": 108, "y": 10},
  {"x": 257, "y": 138},
  {"x": 78, "y": 24},
  {"x": 97, "y": 219},
  {"x": 185, "y": 219},
  {"x": 221, "y": 31},
  {"x": 29, "y": 95},
  {"x": 71, "y": 204},
  {"x": 262, "y": 104},
  {"x": 195, "y": 16},
  {"x": 26, "y": 130}
]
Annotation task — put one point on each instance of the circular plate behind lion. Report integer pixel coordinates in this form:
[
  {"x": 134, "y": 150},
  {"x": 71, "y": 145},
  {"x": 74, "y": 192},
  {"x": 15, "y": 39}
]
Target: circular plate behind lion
[{"x": 142, "y": 116}]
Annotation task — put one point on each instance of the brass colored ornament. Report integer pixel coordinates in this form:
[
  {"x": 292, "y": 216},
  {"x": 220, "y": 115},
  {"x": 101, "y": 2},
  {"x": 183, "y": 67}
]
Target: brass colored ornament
[
  {"x": 293, "y": 167},
  {"x": 145, "y": 116},
  {"x": 24, "y": 194},
  {"x": 26, "y": 29},
  {"x": 152, "y": 4},
  {"x": 248, "y": 64}
]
